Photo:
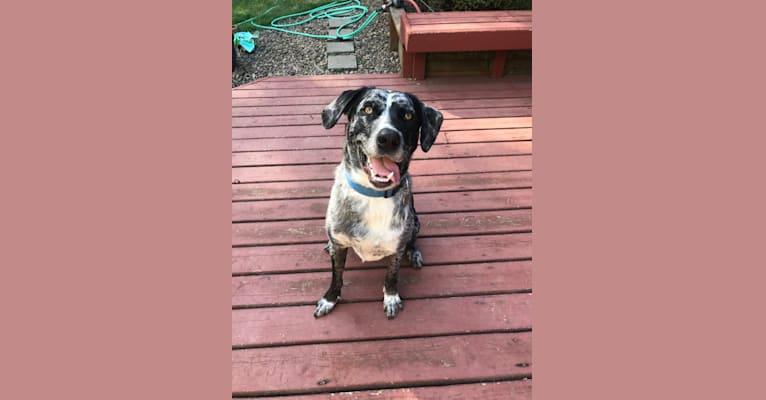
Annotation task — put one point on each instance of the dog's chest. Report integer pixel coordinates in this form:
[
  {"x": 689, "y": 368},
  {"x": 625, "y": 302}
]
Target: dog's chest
[{"x": 379, "y": 231}]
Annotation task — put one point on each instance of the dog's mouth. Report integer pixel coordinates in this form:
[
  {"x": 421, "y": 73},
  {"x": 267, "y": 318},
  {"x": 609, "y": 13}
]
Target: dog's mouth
[{"x": 382, "y": 171}]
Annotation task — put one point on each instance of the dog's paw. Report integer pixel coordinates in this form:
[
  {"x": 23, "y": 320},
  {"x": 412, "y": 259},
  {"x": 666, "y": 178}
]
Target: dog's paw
[
  {"x": 392, "y": 304},
  {"x": 416, "y": 259},
  {"x": 323, "y": 307}
]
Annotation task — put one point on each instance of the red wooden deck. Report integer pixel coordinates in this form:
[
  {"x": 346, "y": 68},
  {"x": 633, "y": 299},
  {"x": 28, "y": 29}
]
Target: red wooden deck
[{"x": 466, "y": 329}]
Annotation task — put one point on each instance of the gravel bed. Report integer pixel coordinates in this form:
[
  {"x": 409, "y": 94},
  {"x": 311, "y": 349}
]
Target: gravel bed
[{"x": 279, "y": 53}]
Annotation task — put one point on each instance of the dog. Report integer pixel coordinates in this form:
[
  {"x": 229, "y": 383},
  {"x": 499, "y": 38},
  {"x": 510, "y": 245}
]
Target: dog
[{"x": 371, "y": 208}]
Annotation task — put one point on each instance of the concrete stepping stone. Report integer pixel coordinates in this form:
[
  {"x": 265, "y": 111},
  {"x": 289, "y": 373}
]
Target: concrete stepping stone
[
  {"x": 340, "y": 47},
  {"x": 334, "y": 23},
  {"x": 340, "y": 53},
  {"x": 341, "y": 61}
]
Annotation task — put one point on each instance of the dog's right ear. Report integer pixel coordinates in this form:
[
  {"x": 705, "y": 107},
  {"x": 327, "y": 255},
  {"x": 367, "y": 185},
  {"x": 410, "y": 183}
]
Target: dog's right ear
[{"x": 341, "y": 105}]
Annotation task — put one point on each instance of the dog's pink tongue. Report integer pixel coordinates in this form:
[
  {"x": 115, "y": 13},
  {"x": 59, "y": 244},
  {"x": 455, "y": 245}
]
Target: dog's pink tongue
[{"x": 383, "y": 166}]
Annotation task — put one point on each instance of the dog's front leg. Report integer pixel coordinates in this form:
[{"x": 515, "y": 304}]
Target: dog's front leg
[
  {"x": 392, "y": 303},
  {"x": 332, "y": 296}
]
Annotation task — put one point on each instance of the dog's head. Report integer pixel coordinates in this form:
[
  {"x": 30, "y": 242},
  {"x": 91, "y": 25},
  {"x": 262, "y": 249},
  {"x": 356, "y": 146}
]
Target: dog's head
[{"x": 384, "y": 128}]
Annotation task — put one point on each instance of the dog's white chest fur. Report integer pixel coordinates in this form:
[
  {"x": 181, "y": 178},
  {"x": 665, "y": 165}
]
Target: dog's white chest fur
[{"x": 382, "y": 233}]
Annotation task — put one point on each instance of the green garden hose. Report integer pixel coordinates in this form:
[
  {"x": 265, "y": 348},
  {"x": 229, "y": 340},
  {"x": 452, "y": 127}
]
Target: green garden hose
[{"x": 351, "y": 9}]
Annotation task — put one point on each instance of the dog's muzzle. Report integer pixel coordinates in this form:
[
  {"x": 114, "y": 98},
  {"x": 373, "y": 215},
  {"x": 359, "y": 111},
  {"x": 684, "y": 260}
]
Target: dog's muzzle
[
  {"x": 388, "y": 141},
  {"x": 382, "y": 166}
]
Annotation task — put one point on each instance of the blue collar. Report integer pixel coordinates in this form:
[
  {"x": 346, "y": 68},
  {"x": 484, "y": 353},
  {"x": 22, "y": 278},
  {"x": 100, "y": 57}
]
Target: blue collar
[{"x": 369, "y": 192}]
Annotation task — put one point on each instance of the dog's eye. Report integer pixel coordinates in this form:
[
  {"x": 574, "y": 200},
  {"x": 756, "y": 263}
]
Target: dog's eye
[
  {"x": 408, "y": 116},
  {"x": 368, "y": 110}
]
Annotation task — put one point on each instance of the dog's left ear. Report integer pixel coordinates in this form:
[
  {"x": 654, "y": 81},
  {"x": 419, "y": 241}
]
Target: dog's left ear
[
  {"x": 430, "y": 123},
  {"x": 331, "y": 114}
]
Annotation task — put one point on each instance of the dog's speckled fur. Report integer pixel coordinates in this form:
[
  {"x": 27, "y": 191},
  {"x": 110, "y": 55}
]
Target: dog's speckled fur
[{"x": 375, "y": 227}]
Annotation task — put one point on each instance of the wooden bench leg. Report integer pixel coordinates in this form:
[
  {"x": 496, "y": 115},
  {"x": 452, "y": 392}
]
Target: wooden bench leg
[
  {"x": 413, "y": 65},
  {"x": 406, "y": 64},
  {"x": 393, "y": 35},
  {"x": 498, "y": 66},
  {"x": 419, "y": 66}
]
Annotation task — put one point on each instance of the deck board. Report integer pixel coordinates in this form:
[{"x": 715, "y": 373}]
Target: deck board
[
  {"x": 421, "y": 184},
  {"x": 442, "y": 250},
  {"x": 296, "y": 98},
  {"x": 251, "y": 116},
  {"x": 333, "y": 142},
  {"x": 509, "y": 390},
  {"x": 442, "y": 224},
  {"x": 466, "y": 329},
  {"x": 428, "y": 167},
  {"x": 381, "y": 363},
  {"x": 427, "y": 203},
  {"x": 514, "y": 117},
  {"x": 443, "y": 105},
  {"x": 318, "y": 156},
  {"x": 261, "y": 327},
  {"x": 364, "y": 285},
  {"x": 426, "y": 91},
  {"x": 283, "y": 131}
]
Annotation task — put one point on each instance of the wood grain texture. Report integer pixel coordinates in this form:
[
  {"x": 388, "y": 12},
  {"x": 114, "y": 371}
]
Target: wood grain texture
[
  {"x": 509, "y": 390},
  {"x": 243, "y": 131},
  {"x": 252, "y": 116},
  {"x": 459, "y": 31},
  {"x": 442, "y": 250},
  {"x": 431, "y": 91},
  {"x": 357, "y": 321},
  {"x": 259, "y": 139},
  {"x": 423, "y": 168},
  {"x": 326, "y": 95},
  {"x": 365, "y": 284},
  {"x": 323, "y": 156},
  {"x": 421, "y": 184},
  {"x": 427, "y": 203},
  {"x": 519, "y": 117},
  {"x": 450, "y": 108},
  {"x": 442, "y": 14},
  {"x": 296, "y": 369},
  {"x": 441, "y": 224}
]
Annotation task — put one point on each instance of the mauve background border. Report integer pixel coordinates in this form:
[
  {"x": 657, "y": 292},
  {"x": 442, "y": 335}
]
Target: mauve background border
[{"x": 648, "y": 207}]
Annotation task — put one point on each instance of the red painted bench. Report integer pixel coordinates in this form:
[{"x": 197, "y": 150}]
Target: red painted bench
[{"x": 455, "y": 31}]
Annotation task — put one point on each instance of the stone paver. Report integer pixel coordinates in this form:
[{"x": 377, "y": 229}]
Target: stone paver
[
  {"x": 341, "y": 62},
  {"x": 334, "y": 23},
  {"x": 340, "y": 47},
  {"x": 340, "y": 53}
]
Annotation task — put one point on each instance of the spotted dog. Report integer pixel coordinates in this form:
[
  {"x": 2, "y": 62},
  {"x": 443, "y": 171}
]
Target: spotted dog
[{"x": 371, "y": 206}]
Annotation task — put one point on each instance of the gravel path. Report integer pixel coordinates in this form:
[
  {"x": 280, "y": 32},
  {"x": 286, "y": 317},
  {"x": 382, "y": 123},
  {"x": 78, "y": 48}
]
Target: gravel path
[{"x": 279, "y": 53}]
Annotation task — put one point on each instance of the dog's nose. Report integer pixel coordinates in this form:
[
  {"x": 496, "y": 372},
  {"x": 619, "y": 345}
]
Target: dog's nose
[{"x": 388, "y": 140}]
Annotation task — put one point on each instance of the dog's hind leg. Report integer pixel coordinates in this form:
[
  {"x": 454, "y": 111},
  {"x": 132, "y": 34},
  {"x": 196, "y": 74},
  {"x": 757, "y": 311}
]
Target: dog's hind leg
[
  {"x": 332, "y": 296},
  {"x": 413, "y": 253},
  {"x": 392, "y": 303}
]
